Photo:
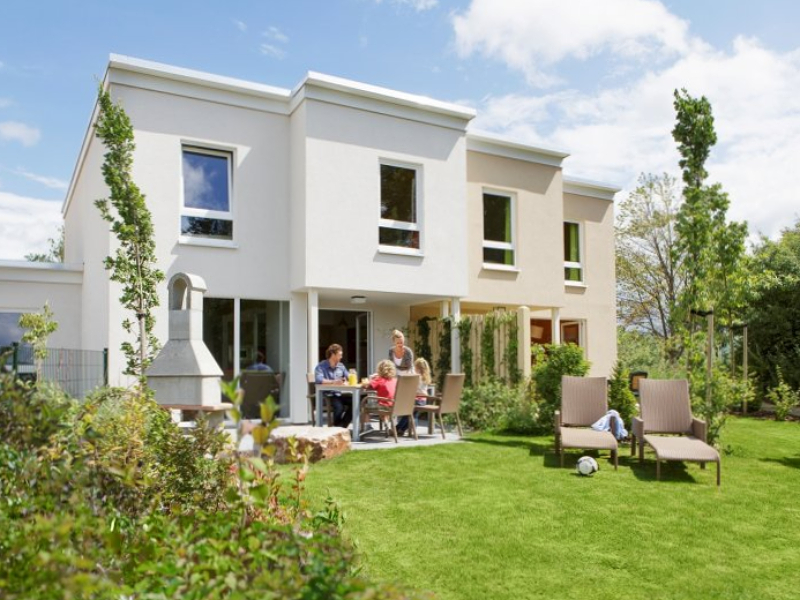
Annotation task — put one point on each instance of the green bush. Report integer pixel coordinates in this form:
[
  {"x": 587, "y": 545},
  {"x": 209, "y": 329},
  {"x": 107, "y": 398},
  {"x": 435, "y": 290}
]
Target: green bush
[
  {"x": 552, "y": 364},
  {"x": 783, "y": 397},
  {"x": 493, "y": 405},
  {"x": 620, "y": 396},
  {"x": 108, "y": 499}
]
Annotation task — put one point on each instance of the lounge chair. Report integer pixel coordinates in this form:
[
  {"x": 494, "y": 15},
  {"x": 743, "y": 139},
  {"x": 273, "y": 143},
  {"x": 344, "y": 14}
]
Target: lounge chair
[
  {"x": 583, "y": 402},
  {"x": 448, "y": 403},
  {"x": 666, "y": 409},
  {"x": 257, "y": 385}
]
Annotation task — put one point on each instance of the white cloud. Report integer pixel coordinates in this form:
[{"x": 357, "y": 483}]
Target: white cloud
[
  {"x": 416, "y": 5},
  {"x": 51, "y": 182},
  {"x": 240, "y": 25},
  {"x": 26, "y": 224},
  {"x": 615, "y": 133},
  {"x": 14, "y": 130},
  {"x": 273, "y": 33},
  {"x": 533, "y": 35},
  {"x": 273, "y": 51}
]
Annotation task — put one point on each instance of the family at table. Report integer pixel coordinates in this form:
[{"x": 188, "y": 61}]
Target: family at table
[{"x": 383, "y": 382}]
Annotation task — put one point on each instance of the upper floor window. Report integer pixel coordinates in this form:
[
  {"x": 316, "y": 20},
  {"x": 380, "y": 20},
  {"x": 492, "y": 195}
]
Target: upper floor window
[
  {"x": 206, "y": 211},
  {"x": 399, "y": 224},
  {"x": 498, "y": 229},
  {"x": 573, "y": 252}
]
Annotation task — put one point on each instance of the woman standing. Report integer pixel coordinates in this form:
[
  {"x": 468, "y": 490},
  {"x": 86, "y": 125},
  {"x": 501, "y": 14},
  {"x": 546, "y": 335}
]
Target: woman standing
[
  {"x": 403, "y": 359},
  {"x": 401, "y": 355}
]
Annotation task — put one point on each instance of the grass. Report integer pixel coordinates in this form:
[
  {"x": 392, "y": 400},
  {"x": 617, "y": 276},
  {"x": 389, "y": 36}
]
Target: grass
[{"x": 497, "y": 518}]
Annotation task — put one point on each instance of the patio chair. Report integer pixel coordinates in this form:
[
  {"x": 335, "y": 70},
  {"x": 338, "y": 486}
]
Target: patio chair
[
  {"x": 583, "y": 401},
  {"x": 402, "y": 405},
  {"x": 257, "y": 385},
  {"x": 448, "y": 403},
  {"x": 666, "y": 409},
  {"x": 312, "y": 401}
]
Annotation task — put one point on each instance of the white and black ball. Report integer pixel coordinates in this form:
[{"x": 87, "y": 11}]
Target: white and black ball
[{"x": 587, "y": 466}]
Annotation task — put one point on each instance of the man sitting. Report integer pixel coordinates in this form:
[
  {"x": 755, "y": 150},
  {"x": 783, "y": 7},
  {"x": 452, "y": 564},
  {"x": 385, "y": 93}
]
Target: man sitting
[{"x": 332, "y": 370}]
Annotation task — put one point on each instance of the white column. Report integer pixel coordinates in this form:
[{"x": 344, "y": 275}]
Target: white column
[
  {"x": 313, "y": 328},
  {"x": 524, "y": 341},
  {"x": 444, "y": 309},
  {"x": 237, "y": 336},
  {"x": 298, "y": 359},
  {"x": 455, "y": 337},
  {"x": 555, "y": 318}
]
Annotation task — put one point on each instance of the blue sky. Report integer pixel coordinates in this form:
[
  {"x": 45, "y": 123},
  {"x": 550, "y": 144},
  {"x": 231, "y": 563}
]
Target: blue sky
[{"x": 594, "y": 78}]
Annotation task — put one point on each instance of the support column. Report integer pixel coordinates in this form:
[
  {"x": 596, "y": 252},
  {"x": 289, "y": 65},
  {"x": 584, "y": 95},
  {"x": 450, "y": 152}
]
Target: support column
[
  {"x": 555, "y": 320},
  {"x": 237, "y": 336},
  {"x": 455, "y": 337},
  {"x": 524, "y": 341},
  {"x": 444, "y": 309},
  {"x": 312, "y": 300}
]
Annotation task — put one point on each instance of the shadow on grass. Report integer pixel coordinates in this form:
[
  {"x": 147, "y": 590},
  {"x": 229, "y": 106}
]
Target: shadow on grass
[
  {"x": 535, "y": 447},
  {"x": 670, "y": 470},
  {"x": 787, "y": 461}
]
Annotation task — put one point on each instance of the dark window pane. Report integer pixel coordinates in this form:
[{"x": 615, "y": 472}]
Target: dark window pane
[
  {"x": 205, "y": 181},
  {"x": 397, "y": 237},
  {"x": 218, "y": 332},
  {"x": 572, "y": 252},
  {"x": 498, "y": 257},
  {"x": 398, "y": 194},
  {"x": 10, "y": 331},
  {"x": 218, "y": 229},
  {"x": 571, "y": 274},
  {"x": 496, "y": 218}
]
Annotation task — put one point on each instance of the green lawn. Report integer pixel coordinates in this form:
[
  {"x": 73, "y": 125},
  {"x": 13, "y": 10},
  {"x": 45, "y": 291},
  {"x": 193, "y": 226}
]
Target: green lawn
[{"x": 496, "y": 518}]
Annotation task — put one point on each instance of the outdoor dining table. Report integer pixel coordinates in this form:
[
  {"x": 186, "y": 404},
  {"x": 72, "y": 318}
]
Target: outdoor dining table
[{"x": 355, "y": 390}]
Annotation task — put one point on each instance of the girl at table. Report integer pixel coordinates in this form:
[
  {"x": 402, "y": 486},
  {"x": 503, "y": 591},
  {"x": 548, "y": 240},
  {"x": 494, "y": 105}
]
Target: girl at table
[
  {"x": 423, "y": 369},
  {"x": 384, "y": 384}
]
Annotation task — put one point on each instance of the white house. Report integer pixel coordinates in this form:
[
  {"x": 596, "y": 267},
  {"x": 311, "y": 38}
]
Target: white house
[{"x": 333, "y": 212}]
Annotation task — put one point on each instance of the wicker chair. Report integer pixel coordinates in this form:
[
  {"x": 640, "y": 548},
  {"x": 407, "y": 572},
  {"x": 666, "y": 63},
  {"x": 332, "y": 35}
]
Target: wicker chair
[
  {"x": 257, "y": 385},
  {"x": 448, "y": 403},
  {"x": 666, "y": 409},
  {"x": 402, "y": 405},
  {"x": 312, "y": 401},
  {"x": 583, "y": 401}
]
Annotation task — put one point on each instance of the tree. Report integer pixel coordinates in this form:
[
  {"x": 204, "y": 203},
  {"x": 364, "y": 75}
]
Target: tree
[
  {"x": 56, "y": 252},
  {"x": 711, "y": 255},
  {"x": 134, "y": 262},
  {"x": 773, "y": 315},
  {"x": 648, "y": 275},
  {"x": 39, "y": 327}
]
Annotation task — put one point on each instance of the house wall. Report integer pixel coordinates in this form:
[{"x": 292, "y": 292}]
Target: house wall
[
  {"x": 343, "y": 148},
  {"x": 539, "y": 277},
  {"x": 595, "y": 302},
  {"x": 25, "y": 287}
]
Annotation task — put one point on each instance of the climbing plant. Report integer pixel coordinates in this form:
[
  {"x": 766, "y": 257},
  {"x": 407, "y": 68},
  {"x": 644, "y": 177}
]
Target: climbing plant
[
  {"x": 445, "y": 346},
  {"x": 487, "y": 345},
  {"x": 422, "y": 345},
  {"x": 464, "y": 331}
]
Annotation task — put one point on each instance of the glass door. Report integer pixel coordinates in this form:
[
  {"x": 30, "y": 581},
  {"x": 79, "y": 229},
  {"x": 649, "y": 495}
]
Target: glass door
[{"x": 363, "y": 359}]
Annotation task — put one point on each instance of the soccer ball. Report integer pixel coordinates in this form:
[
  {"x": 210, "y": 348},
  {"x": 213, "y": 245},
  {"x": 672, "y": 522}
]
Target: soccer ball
[{"x": 587, "y": 466}]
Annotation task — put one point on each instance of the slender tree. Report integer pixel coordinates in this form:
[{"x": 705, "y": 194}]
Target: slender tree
[
  {"x": 134, "y": 263},
  {"x": 38, "y": 328}
]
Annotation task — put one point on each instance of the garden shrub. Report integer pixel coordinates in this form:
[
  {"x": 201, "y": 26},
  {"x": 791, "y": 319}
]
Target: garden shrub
[
  {"x": 552, "y": 364},
  {"x": 620, "y": 396},
  {"x": 783, "y": 397},
  {"x": 493, "y": 405},
  {"x": 108, "y": 499}
]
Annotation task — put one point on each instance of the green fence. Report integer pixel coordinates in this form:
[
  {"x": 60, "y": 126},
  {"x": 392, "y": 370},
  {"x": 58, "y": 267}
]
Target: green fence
[{"x": 78, "y": 372}]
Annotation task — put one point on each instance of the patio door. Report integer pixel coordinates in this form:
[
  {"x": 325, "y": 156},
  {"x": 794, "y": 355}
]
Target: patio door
[
  {"x": 351, "y": 330},
  {"x": 363, "y": 359}
]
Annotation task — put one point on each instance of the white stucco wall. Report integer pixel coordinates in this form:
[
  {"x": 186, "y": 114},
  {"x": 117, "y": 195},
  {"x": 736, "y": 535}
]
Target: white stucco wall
[{"x": 344, "y": 148}]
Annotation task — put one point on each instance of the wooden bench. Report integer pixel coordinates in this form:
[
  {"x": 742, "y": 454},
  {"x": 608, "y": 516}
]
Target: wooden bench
[{"x": 214, "y": 412}]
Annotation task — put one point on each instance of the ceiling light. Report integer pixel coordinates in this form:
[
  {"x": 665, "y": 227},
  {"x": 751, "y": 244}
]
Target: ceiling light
[{"x": 358, "y": 299}]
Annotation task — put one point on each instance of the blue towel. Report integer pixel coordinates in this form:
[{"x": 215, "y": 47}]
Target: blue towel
[{"x": 604, "y": 424}]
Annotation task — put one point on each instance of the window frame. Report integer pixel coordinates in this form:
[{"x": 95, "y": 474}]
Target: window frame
[
  {"x": 494, "y": 245},
  {"x": 581, "y": 252},
  {"x": 414, "y": 227},
  {"x": 185, "y": 211}
]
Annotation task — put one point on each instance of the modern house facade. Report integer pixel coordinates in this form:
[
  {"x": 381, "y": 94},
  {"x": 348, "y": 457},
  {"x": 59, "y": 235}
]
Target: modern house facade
[{"x": 333, "y": 212}]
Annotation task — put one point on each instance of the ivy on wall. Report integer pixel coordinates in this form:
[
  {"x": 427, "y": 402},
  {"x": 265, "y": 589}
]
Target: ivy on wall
[{"x": 464, "y": 331}]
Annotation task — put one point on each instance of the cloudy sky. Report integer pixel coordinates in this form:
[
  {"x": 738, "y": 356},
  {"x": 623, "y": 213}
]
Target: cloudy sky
[{"x": 591, "y": 77}]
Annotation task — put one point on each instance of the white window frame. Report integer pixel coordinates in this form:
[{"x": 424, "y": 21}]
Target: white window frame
[
  {"x": 581, "y": 323},
  {"x": 402, "y": 225},
  {"x": 222, "y": 215},
  {"x": 581, "y": 252},
  {"x": 491, "y": 244}
]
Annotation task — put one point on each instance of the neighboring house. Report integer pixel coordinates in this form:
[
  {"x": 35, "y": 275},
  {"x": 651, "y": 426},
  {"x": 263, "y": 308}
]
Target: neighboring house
[{"x": 334, "y": 212}]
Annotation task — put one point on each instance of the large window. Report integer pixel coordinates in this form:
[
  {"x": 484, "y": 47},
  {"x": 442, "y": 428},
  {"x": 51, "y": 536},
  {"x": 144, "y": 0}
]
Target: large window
[
  {"x": 573, "y": 262},
  {"x": 498, "y": 229},
  {"x": 206, "y": 211},
  {"x": 399, "y": 224}
]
